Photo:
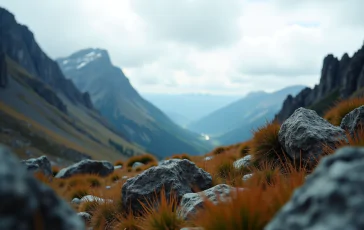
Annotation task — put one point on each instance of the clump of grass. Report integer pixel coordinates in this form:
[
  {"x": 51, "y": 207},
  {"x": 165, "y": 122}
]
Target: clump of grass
[
  {"x": 104, "y": 216},
  {"x": 55, "y": 170},
  {"x": 225, "y": 169},
  {"x": 253, "y": 207},
  {"x": 129, "y": 222},
  {"x": 119, "y": 163},
  {"x": 78, "y": 192},
  {"x": 76, "y": 180},
  {"x": 94, "y": 181},
  {"x": 265, "y": 146},
  {"x": 161, "y": 214},
  {"x": 244, "y": 149},
  {"x": 342, "y": 108},
  {"x": 145, "y": 159},
  {"x": 218, "y": 150},
  {"x": 114, "y": 177},
  {"x": 88, "y": 206}
]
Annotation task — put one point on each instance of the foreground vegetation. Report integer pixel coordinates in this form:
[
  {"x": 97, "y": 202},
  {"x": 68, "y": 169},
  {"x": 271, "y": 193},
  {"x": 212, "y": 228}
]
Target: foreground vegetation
[{"x": 274, "y": 180}]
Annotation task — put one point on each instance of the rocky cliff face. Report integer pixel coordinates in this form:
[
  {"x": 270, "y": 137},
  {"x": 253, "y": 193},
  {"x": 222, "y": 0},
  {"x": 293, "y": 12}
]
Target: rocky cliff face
[
  {"x": 339, "y": 80},
  {"x": 3, "y": 72},
  {"x": 18, "y": 43}
]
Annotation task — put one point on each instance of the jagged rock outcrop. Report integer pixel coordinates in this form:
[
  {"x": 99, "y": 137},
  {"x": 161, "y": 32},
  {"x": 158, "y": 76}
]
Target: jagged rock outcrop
[
  {"x": 331, "y": 198},
  {"x": 101, "y": 168},
  {"x": 178, "y": 176},
  {"x": 4, "y": 79},
  {"x": 28, "y": 204},
  {"x": 304, "y": 134},
  {"x": 18, "y": 42},
  {"x": 353, "y": 122},
  {"x": 40, "y": 164},
  {"x": 339, "y": 79}
]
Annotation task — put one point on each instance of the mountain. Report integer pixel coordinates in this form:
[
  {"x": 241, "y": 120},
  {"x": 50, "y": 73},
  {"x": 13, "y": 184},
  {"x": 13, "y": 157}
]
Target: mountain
[
  {"x": 234, "y": 122},
  {"x": 339, "y": 79},
  {"x": 178, "y": 118},
  {"x": 112, "y": 94},
  {"x": 190, "y": 106},
  {"x": 42, "y": 112}
]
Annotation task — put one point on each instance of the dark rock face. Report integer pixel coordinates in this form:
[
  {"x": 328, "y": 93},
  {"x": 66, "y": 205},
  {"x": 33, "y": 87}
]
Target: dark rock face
[
  {"x": 179, "y": 176},
  {"x": 41, "y": 164},
  {"x": 102, "y": 168},
  {"x": 192, "y": 202},
  {"x": 27, "y": 204},
  {"x": 345, "y": 76},
  {"x": 305, "y": 132},
  {"x": 19, "y": 44},
  {"x": 331, "y": 198},
  {"x": 4, "y": 79},
  {"x": 353, "y": 121}
]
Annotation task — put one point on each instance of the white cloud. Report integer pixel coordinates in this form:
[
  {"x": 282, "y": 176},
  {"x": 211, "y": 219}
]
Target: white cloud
[{"x": 222, "y": 46}]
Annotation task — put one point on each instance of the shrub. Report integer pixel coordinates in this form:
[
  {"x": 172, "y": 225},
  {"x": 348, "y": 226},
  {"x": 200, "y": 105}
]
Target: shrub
[
  {"x": 265, "y": 146},
  {"x": 161, "y": 214},
  {"x": 338, "y": 112},
  {"x": 145, "y": 159}
]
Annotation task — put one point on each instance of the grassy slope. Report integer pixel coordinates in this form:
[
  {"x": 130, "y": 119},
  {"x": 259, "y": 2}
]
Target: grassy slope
[{"x": 79, "y": 122}]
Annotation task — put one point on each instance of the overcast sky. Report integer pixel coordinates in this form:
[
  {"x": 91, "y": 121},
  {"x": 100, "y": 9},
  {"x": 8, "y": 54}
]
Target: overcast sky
[{"x": 194, "y": 46}]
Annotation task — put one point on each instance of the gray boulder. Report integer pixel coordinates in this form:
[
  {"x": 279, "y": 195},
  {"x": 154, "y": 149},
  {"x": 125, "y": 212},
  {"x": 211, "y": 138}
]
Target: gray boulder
[
  {"x": 353, "y": 121},
  {"x": 247, "y": 176},
  {"x": 136, "y": 165},
  {"x": 101, "y": 168},
  {"x": 179, "y": 176},
  {"x": 86, "y": 217},
  {"x": 40, "y": 164},
  {"x": 306, "y": 133},
  {"x": 331, "y": 198},
  {"x": 27, "y": 203},
  {"x": 243, "y": 162},
  {"x": 192, "y": 202}
]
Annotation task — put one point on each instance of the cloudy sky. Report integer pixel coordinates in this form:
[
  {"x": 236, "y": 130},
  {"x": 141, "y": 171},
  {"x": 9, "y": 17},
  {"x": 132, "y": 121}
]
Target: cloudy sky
[{"x": 201, "y": 46}]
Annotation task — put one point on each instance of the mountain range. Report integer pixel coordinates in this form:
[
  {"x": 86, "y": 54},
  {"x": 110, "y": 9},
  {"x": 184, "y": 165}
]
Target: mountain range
[
  {"x": 42, "y": 112},
  {"x": 112, "y": 94},
  {"x": 235, "y": 122}
]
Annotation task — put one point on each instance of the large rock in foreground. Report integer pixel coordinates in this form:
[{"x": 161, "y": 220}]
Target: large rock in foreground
[
  {"x": 331, "y": 198},
  {"x": 27, "y": 204},
  {"x": 40, "y": 164},
  {"x": 305, "y": 133},
  {"x": 353, "y": 122},
  {"x": 179, "y": 176},
  {"x": 101, "y": 168}
]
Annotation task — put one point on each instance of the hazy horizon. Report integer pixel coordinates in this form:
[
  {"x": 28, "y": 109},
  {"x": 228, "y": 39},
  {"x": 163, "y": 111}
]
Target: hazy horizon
[{"x": 199, "y": 46}]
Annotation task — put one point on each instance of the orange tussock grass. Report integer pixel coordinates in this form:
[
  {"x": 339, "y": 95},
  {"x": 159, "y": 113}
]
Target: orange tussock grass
[
  {"x": 78, "y": 191},
  {"x": 338, "y": 112},
  {"x": 356, "y": 140},
  {"x": 160, "y": 213},
  {"x": 145, "y": 159},
  {"x": 265, "y": 146},
  {"x": 254, "y": 207},
  {"x": 244, "y": 148},
  {"x": 104, "y": 216},
  {"x": 129, "y": 222}
]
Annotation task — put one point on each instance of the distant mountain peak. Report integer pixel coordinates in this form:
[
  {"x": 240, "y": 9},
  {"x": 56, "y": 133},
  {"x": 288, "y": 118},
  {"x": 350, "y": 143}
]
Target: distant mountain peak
[{"x": 84, "y": 57}]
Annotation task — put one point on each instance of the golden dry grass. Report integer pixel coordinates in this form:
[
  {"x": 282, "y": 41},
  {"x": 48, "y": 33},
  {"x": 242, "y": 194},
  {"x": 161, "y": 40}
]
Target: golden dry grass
[{"x": 338, "y": 112}]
